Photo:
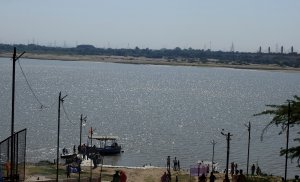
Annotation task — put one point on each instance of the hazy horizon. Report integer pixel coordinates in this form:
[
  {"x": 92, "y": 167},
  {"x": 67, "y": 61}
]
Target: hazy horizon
[{"x": 153, "y": 24}]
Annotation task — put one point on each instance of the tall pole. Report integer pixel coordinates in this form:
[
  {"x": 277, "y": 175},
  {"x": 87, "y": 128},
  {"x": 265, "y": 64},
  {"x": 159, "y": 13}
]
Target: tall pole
[
  {"x": 228, "y": 148},
  {"x": 58, "y": 129},
  {"x": 249, "y": 137},
  {"x": 60, "y": 99},
  {"x": 287, "y": 140},
  {"x": 12, "y": 145},
  {"x": 90, "y": 154},
  {"x": 12, "y": 116},
  {"x": 212, "y": 160},
  {"x": 80, "y": 143},
  {"x": 81, "y": 120}
]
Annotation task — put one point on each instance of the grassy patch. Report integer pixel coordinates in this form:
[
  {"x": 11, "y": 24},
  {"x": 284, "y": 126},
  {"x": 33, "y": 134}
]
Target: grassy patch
[
  {"x": 182, "y": 177},
  {"x": 149, "y": 179}
]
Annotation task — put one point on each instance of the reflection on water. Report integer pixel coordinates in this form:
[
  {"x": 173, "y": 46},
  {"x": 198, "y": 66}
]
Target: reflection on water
[{"x": 155, "y": 110}]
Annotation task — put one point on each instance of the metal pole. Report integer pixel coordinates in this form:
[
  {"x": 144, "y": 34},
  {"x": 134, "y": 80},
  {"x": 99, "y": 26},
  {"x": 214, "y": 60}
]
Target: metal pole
[
  {"x": 12, "y": 116},
  {"x": 60, "y": 99},
  {"x": 228, "y": 147},
  {"x": 212, "y": 161},
  {"x": 249, "y": 130},
  {"x": 102, "y": 158},
  {"x": 58, "y": 128},
  {"x": 90, "y": 154},
  {"x": 80, "y": 143},
  {"x": 287, "y": 139}
]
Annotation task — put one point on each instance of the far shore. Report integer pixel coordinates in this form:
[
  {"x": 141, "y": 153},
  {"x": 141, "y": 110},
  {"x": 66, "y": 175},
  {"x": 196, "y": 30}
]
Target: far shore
[{"x": 143, "y": 60}]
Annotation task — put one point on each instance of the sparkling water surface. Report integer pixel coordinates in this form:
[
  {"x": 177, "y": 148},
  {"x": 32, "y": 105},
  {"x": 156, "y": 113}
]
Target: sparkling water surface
[{"x": 155, "y": 110}]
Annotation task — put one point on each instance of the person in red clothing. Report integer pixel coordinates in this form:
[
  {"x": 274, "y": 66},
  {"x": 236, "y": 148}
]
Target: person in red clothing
[{"x": 123, "y": 177}]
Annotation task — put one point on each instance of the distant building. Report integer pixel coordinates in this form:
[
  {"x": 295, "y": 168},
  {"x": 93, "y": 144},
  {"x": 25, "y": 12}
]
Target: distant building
[{"x": 281, "y": 50}]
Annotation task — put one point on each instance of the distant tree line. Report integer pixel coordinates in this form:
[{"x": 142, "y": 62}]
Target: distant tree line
[{"x": 177, "y": 54}]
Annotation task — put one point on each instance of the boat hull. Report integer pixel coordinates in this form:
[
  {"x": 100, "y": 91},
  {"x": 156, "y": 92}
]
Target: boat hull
[{"x": 108, "y": 150}]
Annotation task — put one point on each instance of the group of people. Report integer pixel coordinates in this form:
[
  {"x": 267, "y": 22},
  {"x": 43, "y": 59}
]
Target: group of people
[
  {"x": 258, "y": 171},
  {"x": 176, "y": 164},
  {"x": 202, "y": 178},
  {"x": 238, "y": 176},
  {"x": 119, "y": 176},
  {"x": 166, "y": 177},
  {"x": 234, "y": 168}
]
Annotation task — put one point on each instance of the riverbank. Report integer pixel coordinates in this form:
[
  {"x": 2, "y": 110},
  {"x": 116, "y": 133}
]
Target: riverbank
[
  {"x": 47, "y": 172},
  {"x": 143, "y": 60}
]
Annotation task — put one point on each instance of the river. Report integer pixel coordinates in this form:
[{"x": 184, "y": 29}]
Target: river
[{"x": 155, "y": 110}]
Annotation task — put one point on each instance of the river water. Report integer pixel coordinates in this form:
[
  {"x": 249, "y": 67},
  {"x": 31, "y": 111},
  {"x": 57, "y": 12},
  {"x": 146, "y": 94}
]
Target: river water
[{"x": 155, "y": 110}]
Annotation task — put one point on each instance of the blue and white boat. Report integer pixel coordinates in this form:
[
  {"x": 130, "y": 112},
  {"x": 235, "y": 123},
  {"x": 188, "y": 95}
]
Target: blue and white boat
[{"x": 106, "y": 145}]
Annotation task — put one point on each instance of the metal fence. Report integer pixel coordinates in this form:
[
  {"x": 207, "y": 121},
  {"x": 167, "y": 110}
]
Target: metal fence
[{"x": 19, "y": 153}]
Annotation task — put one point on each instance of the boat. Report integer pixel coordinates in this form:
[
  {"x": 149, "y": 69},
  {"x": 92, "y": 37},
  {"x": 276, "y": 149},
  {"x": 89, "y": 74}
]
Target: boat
[
  {"x": 67, "y": 156},
  {"x": 107, "y": 145}
]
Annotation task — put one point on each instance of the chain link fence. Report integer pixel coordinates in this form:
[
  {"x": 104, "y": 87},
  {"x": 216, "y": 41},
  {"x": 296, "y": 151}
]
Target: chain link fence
[{"x": 19, "y": 153}]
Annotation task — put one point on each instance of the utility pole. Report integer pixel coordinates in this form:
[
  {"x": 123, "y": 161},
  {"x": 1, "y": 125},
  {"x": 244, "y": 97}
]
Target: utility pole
[
  {"x": 212, "y": 161},
  {"x": 60, "y": 99},
  {"x": 287, "y": 139},
  {"x": 81, "y": 120},
  {"x": 228, "y": 135},
  {"x": 12, "y": 147},
  {"x": 249, "y": 131},
  {"x": 90, "y": 150}
]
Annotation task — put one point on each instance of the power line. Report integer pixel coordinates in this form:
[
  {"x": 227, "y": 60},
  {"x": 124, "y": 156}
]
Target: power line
[
  {"x": 42, "y": 106},
  {"x": 30, "y": 88},
  {"x": 66, "y": 114}
]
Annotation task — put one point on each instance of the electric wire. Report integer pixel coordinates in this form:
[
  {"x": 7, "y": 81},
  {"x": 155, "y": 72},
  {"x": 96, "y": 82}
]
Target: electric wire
[
  {"x": 66, "y": 114},
  {"x": 42, "y": 106},
  {"x": 30, "y": 88}
]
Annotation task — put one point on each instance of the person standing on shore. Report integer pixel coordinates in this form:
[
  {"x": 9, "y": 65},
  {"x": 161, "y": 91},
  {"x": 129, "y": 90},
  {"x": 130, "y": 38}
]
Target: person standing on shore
[
  {"x": 168, "y": 163},
  {"x": 252, "y": 169},
  {"x": 232, "y": 169},
  {"x": 123, "y": 177},
  {"x": 242, "y": 177},
  {"x": 226, "y": 178},
  {"x": 212, "y": 177},
  {"x": 164, "y": 177},
  {"x": 202, "y": 178},
  {"x": 116, "y": 177},
  {"x": 175, "y": 164},
  {"x": 258, "y": 171},
  {"x": 235, "y": 167},
  {"x": 68, "y": 171}
]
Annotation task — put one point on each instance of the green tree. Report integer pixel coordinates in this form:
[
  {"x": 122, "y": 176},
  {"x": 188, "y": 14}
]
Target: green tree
[{"x": 281, "y": 117}]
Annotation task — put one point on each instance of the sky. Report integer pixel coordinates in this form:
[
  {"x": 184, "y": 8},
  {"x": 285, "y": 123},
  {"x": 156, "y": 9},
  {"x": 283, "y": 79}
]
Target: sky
[{"x": 154, "y": 24}]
